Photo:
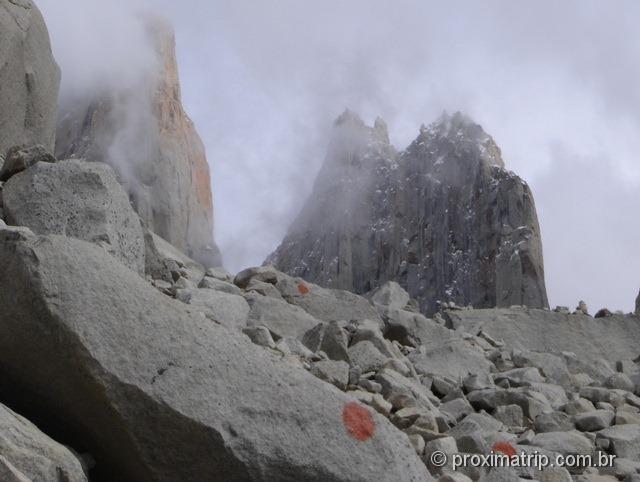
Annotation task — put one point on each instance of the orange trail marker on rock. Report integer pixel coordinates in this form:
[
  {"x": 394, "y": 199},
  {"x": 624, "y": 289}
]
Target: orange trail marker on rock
[
  {"x": 504, "y": 447},
  {"x": 303, "y": 288},
  {"x": 358, "y": 421}
]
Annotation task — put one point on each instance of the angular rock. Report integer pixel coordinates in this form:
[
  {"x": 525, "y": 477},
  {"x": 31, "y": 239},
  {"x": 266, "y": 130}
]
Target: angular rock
[
  {"x": 366, "y": 356},
  {"x": 218, "y": 285},
  {"x": 444, "y": 219},
  {"x": 475, "y": 423},
  {"x": 396, "y": 387},
  {"x": 223, "y": 308},
  {"x": 510, "y": 415},
  {"x": 577, "y": 406},
  {"x": 553, "y": 422},
  {"x": 266, "y": 274},
  {"x": 592, "y": 421},
  {"x": 531, "y": 402},
  {"x": 21, "y": 158},
  {"x": 27, "y": 452},
  {"x": 329, "y": 338},
  {"x": 565, "y": 443},
  {"x": 282, "y": 318},
  {"x": 331, "y": 371},
  {"x": 156, "y": 394},
  {"x": 414, "y": 329},
  {"x": 520, "y": 376},
  {"x": 455, "y": 359},
  {"x": 390, "y": 295},
  {"x": 624, "y": 440},
  {"x": 554, "y": 474},
  {"x": 165, "y": 262},
  {"x": 260, "y": 335},
  {"x": 29, "y": 77},
  {"x": 548, "y": 332},
  {"x": 457, "y": 409},
  {"x": 620, "y": 381},
  {"x": 77, "y": 199},
  {"x": 326, "y": 304}
]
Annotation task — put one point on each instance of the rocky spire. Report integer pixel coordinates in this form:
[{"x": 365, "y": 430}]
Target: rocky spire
[
  {"x": 443, "y": 218},
  {"x": 145, "y": 134}
]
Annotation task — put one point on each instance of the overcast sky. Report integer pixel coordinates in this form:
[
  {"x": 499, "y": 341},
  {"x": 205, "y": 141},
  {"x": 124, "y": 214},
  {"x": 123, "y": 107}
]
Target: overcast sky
[{"x": 557, "y": 84}]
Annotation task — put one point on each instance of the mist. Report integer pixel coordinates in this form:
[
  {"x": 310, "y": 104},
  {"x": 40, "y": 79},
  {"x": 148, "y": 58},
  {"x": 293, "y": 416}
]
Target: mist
[{"x": 554, "y": 83}]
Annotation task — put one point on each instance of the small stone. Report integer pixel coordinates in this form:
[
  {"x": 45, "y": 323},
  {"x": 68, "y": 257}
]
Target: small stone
[
  {"x": 447, "y": 445},
  {"x": 603, "y": 313},
  {"x": 593, "y": 421},
  {"x": 553, "y": 422},
  {"x": 260, "y": 335},
  {"x": 20, "y": 158},
  {"x": 510, "y": 415},
  {"x": 370, "y": 385},
  {"x": 405, "y": 417},
  {"x": 457, "y": 409},
  {"x": 418, "y": 443},
  {"x": 331, "y": 371},
  {"x": 620, "y": 381},
  {"x": 582, "y": 308},
  {"x": 580, "y": 405},
  {"x": 354, "y": 375},
  {"x": 381, "y": 405}
]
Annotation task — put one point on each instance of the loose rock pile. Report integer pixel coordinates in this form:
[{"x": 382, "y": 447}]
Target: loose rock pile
[{"x": 448, "y": 383}]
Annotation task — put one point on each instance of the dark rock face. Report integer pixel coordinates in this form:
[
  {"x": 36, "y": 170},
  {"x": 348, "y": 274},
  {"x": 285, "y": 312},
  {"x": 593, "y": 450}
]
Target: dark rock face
[
  {"x": 443, "y": 218},
  {"x": 29, "y": 77},
  {"x": 145, "y": 134}
]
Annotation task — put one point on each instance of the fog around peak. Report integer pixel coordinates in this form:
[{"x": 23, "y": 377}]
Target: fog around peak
[{"x": 554, "y": 83}]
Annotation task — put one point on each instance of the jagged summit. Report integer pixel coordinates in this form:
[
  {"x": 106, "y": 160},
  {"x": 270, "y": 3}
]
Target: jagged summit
[
  {"x": 457, "y": 133},
  {"x": 443, "y": 218}
]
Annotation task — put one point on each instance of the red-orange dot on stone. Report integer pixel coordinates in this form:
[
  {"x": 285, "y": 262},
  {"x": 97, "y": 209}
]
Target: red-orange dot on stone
[
  {"x": 504, "y": 447},
  {"x": 358, "y": 421},
  {"x": 303, "y": 289}
]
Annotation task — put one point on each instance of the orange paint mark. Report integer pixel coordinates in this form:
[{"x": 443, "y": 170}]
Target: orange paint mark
[
  {"x": 303, "y": 289},
  {"x": 504, "y": 447},
  {"x": 358, "y": 421}
]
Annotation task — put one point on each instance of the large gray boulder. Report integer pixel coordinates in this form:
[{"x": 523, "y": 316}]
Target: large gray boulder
[
  {"x": 163, "y": 261},
  {"x": 29, "y": 77},
  {"x": 20, "y": 158},
  {"x": 443, "y": 218},
  {"x": 612, "y": 338},
  {"x": 281, "y": 318},
  {"x": 155, "y": 394},
  {"x": 325, "y": 304},
  {"x": 27, "y": 451},
  {"x": 455, "y": 359},
  {"x": 77, "y": 199}
]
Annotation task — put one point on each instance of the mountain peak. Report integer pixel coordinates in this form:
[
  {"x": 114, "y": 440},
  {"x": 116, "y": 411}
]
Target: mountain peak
[
  {"x": 349, "y": 117},
  {"x": 461, "y": 130}
]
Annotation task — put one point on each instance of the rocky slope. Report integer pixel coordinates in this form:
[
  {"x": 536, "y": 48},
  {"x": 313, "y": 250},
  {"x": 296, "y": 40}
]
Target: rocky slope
[
  {"x": 133, "y": 362},
  {"x": 444, "y": 218},
  {"x": 29, "y": 77},
  {"x": 145, "y": 134}
]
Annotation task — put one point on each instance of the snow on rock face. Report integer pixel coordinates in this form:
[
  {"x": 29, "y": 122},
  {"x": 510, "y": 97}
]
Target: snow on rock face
[{"x": 443, "y": 218}]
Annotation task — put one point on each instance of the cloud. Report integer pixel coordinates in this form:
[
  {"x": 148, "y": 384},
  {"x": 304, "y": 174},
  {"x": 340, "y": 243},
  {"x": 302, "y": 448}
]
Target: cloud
[{"x": 264, "y": 80}]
